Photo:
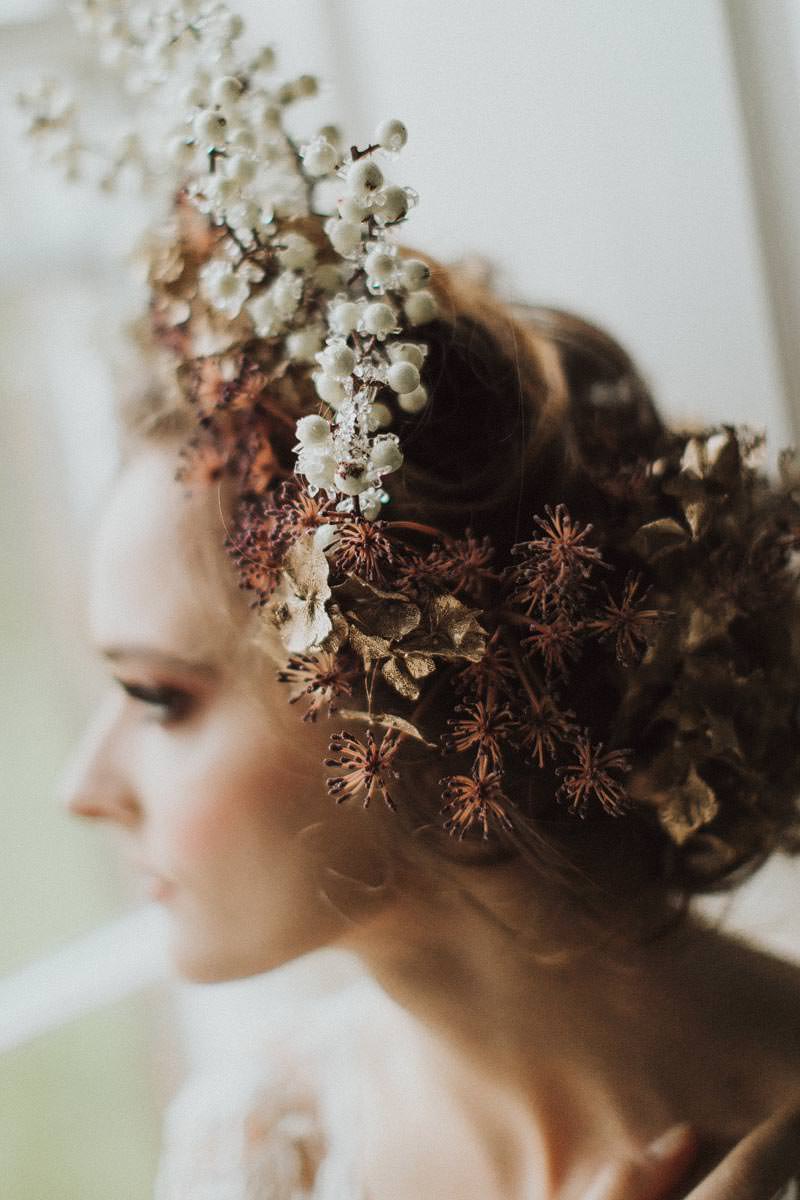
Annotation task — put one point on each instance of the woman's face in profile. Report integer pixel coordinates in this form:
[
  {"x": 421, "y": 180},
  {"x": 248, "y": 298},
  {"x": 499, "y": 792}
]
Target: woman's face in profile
[{"x": 214, "y": 785}]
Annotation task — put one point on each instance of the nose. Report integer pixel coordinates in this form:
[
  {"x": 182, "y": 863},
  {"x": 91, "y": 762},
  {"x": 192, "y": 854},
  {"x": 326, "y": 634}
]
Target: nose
[{"x": 94, "y": 782}]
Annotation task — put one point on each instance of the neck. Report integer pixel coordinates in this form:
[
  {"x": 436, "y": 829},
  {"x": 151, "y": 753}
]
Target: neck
[{"x": 585, "y": 1040}]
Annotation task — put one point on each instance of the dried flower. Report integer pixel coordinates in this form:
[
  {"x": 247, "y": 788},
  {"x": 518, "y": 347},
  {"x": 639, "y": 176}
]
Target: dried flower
[
  {"x": 555, "y": 640},
  {"x": 361, "y": 547},
  {"x": 484, "y": 724},
  {"x": 257, "y": 548},
  {"x": 494, "y": 671},
  {"x": 590, "y": 778},
  {"x": 418, "y": 574},
  {"x": 545, "y": 725},
  {"x": 475, "y": 799},
  {"x": 563, "y": 544},
  {"x": 365, "y": 769},
  {"x": 627, "y": 622},
  {"x": 322, "y": 676},
  {"x": 464, "y": 563}
]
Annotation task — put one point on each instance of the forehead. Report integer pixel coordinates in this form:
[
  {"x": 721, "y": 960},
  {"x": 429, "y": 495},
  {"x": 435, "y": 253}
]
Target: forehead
[{"x": 159, "y": 573}]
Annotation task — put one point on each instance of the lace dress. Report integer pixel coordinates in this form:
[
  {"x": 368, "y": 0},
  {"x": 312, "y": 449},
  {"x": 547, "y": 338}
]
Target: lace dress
[
  {"x": 340, "y": 1109},
  {"x": 301, "y": 1124}
]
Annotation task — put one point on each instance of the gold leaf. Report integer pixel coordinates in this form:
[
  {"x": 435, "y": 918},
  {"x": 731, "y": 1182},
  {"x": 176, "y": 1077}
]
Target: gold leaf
[
  {"x": 698, "y": 515},
  {"x": 724, "y": 460},
  {"x": 657, "y": 538},
  {"x": 386, "y": 721},
  {"x": 419, "y": 665},
  {"x": 339, "y": 631},
  {"x": 693, "y": 460},
  {"x": 394, "y": 672},
  {"x": 688, "y": 808},
  {"x": 368, "y": 647},
  {"x": 386, "y": 614},
  {"x": 709, "y": 624},
  {"x": 453, "y": 631}
]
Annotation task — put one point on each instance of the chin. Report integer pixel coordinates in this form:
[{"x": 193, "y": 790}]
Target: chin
[{"x": 209, "y": 964}]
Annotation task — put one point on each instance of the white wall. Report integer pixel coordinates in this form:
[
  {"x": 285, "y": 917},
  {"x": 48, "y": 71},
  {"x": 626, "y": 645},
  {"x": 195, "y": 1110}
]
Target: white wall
[{"x": 595, "y": 151}]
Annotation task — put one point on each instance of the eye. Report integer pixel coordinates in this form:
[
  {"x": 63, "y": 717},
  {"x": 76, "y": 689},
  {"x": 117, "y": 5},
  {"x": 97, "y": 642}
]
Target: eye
[{"x": 169, "y": 703}]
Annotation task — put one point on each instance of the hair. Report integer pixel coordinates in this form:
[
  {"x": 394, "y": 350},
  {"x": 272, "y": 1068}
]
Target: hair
[{"x": 532, "y": 406}]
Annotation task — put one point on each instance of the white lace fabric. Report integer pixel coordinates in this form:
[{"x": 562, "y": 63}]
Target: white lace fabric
[
  {"x": 341, "y": 1108},
  {"x": 227, "y": 1137}
]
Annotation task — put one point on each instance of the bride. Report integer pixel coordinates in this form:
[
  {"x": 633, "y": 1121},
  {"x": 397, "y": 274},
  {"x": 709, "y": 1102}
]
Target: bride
[
  {"x": 548, "y": 687},
  {"x": 529, "y": 1020}
]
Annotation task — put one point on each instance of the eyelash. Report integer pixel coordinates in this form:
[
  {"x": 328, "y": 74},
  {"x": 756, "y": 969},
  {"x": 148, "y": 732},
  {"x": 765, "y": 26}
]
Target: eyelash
[{"x": 174, "y": 702}]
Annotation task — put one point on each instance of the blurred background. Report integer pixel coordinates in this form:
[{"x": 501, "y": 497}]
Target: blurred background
[{"x": 633, "y": 162}]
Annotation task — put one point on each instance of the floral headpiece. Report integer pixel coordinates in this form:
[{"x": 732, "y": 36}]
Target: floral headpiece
[{"x": 295, "y": 328}]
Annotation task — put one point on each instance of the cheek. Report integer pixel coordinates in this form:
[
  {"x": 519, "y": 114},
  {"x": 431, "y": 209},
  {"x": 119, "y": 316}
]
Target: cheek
[{"x": 246, "y": 796}]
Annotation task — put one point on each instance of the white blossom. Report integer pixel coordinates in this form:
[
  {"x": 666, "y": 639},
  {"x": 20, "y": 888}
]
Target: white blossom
[
  {"x": 414, "y": 274},
  {"x": 364, "y": 177},
  {"x": 297, "y": 252},
  {"x": 225, "y": 289},
  {"x": 344, "y": 316},
  {"x": 391, "y": 135},
  {"x": 378, "y": 319},
  {"x": 319, "y": 157},
  {"x": 337, "y": 359},
  {"x": 413, "y": 402},
  {"x": 403, "y": 377},
  {"x": 267, "y": 321},
  {"x": 391, "y": 204},
  {"x": 313, "y": 431},
  {"x": 286, "y": 292},
  {"x": 406, "y": 352},
  {"x": 303, "y": 345},
  {"x": 421, "y": 307},
  {"x": 345, "y": 237}
]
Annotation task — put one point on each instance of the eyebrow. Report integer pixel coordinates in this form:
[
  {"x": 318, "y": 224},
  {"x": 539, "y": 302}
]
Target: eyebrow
[{"x": 172, "y": 662}]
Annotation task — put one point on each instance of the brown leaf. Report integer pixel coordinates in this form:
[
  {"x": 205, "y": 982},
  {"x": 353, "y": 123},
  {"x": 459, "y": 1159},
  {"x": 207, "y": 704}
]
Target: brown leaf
[
  {"x": 339, "y": 631},
  {"x": 709, "y": 624},
  {"x": 658, "y": 538},
  {"x": 384, "y": 614},
  {"x": 387, "y": 721},
  {"x": 369, "y": 648},
  {"x": 452, "y": 631},
  {"x": 418, "y": 665},
  {"x": 397, "y": 676},
  {"x": 688, "y": 807}
]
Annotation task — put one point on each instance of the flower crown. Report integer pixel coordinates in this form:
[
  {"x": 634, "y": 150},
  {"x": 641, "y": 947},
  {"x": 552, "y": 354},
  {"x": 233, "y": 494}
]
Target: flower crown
[{"x": 294, "y": 325}]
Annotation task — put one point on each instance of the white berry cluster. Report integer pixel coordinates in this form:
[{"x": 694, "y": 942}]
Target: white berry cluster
[{"x": 344, "y": 309}]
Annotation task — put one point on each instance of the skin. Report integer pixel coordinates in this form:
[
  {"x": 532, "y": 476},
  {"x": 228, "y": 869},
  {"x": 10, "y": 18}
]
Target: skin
[{"x": 210, "y": 780}]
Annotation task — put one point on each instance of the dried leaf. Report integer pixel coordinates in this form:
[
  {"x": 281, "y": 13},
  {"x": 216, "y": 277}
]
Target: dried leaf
[
  {"x": 688, "y": 807},
  {"x": 453, "y": 631},
  {"x": 369, "y": 648},
  {"x": 658, "y": 538},
  {"x": 397, "y": 676},
  {"x": 385, "y": 614},
  {"x": 418, "y": 665},
  {"x": 709, "y": 624},
  {"x": 339, "y": 631},
  {"x": 386, "y": 721}
]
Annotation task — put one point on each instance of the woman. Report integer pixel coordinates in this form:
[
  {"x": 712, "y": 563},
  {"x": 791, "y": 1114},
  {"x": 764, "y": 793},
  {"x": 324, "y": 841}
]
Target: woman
[
  {"x": 555, "y": 687},
  {"x": 553, "y": 1022}
]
